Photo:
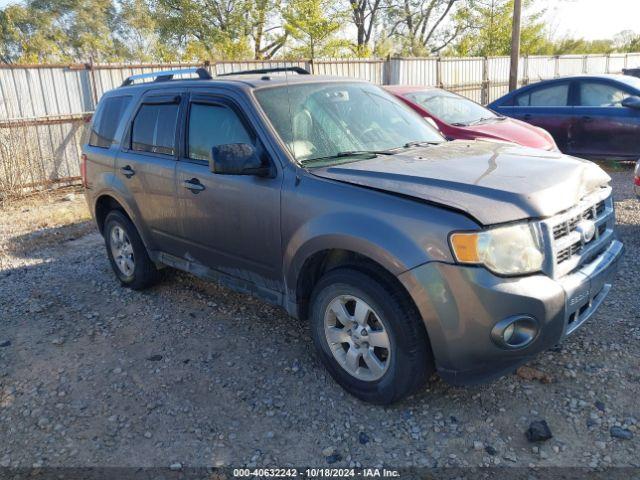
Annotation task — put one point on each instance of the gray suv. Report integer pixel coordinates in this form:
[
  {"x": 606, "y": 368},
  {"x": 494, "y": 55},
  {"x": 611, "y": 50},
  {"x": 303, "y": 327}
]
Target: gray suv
[{"x": 406, "y": 253}]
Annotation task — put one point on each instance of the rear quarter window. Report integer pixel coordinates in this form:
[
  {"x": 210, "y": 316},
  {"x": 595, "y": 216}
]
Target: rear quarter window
[{"x": 106, "y": 120}]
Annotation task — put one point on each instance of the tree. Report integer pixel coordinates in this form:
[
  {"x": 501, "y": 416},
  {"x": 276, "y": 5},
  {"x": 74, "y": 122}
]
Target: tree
[
  {"x": 313, "y": 23},
  {"x": 266, "y": 29},
  {"x": 139, "y": 32},
  {"x": 627, "y": 41},
  {"x": 489, "y": 30},
  {"x": 69, "y": 30},
  {"x": 423, "y": 27},
  {"x": 364, "y": 14}
]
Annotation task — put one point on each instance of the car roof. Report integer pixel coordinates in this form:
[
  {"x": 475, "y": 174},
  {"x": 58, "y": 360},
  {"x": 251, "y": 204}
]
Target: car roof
[
  {"x": 628, "y": 80},
  {"x": 400, "y": 89},
  {"x": 244, "y": 82}
]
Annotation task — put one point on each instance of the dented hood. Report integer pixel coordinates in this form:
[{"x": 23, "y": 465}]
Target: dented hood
[{"x": 492, "y": 182}]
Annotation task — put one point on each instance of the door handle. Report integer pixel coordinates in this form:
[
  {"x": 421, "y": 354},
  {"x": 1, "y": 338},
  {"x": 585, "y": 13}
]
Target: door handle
[
  {"x": 128, "y": 171},
  {"x": 586, "y": 118},
  {"x": 194, "y": 185},
  {"x": 527, "y": 116}
]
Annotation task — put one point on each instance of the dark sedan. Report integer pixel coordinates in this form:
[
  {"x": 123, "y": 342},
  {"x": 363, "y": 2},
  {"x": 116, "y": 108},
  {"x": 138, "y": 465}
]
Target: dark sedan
[{"x": 595, "y": 116}]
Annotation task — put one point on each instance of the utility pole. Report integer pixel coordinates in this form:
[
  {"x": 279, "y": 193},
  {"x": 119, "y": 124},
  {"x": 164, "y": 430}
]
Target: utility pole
[{"x": 515, "y": 45}]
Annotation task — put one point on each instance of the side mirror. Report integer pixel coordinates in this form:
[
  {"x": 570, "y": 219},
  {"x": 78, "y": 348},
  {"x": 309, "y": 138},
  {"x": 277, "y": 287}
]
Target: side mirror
[
  {"x": 238, "y": 159},
  {"x": 631, "y": 102}
]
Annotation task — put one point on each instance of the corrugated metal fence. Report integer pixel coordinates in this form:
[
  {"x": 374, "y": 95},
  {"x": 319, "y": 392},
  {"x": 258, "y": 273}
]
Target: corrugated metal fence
[{"x": 44, "y": 108}]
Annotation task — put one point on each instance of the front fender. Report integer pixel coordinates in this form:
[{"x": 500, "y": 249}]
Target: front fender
[{"x": 363, "y": 234}]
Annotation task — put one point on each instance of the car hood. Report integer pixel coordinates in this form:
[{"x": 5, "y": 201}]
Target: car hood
[
  {"x": 492, "y": 182},
  {"x": 515, "y": 131}
]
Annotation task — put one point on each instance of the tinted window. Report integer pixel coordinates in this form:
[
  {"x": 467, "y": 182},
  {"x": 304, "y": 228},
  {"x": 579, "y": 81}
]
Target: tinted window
[
  {"x": 552, "y": 96},
  {"x": 594, "y": 94},
  {"x": 106, "y": 121},
  {"x": 154, "y": 129},
  {"x": 211, "y": 125}
]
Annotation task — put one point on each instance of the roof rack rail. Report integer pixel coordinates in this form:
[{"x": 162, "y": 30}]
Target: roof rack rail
[
  {"x": 167, "y": 75},
  {"x": 298, "y": 70}
]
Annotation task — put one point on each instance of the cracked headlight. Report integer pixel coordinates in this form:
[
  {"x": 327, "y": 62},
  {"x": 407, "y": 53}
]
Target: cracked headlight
[{"x": 510, "y": 250}]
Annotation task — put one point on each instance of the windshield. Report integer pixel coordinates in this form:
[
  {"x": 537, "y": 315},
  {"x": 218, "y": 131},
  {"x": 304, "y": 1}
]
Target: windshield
[
  {"x": 325, "y": 120},
  {"x": 631, "y": 81},
  {"x": 451, "y": 108}
]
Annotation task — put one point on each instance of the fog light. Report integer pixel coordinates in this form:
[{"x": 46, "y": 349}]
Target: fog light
[{"x": 515, "y": 332}]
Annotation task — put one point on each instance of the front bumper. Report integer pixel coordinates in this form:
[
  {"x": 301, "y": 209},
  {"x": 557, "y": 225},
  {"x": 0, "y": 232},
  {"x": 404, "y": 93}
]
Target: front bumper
[{"x": 460, "y": 305}]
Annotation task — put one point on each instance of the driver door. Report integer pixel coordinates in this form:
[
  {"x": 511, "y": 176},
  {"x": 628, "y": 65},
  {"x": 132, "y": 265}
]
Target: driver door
[
  {"x": 603, "y": 126},
  {"x": 231, "y": 223}
]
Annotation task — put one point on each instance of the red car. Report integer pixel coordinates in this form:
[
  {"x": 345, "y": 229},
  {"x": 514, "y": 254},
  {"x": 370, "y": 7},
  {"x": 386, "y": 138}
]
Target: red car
[{"x": 459, "y": 118}]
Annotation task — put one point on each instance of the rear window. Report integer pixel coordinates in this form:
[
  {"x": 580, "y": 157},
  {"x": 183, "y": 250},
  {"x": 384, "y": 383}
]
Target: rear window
[
  {"x": 106, "y": 121},
  {"x": 551, "y": 96},
  {"x": 154, "y": 128}
]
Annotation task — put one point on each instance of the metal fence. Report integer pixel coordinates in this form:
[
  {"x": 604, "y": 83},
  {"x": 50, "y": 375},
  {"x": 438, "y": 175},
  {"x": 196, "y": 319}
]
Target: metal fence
[{"x": 44, "y": 108}]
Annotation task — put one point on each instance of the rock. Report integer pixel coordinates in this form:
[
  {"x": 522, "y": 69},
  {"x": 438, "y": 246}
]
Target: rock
[
  {"x": 477, "y": 445},
  {"x": 57, "y": 341},
  {"x": 538, "y": 431},
  {"x": 621, "y": 433},
  {"x": 336, "y": 457},
  {"x": 363, "y": 438},
  {"x": 154, "y": 358},
  {"x": 530, "y": 373},
  {"x": 490, "y": 450},
  {"x": 147, "y": 434},
  {"x": 599, "y": 405},
  {"x": 6, "y": 343},
  {"x": 328, "y": 451},
  {"x": 175, "y": 466}
]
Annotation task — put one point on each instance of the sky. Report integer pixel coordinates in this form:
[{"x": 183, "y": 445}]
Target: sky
[{"x": 590, "y": 19}]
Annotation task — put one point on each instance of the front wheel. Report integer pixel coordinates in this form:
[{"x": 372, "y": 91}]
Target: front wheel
[{"x": 369, "y": 336}]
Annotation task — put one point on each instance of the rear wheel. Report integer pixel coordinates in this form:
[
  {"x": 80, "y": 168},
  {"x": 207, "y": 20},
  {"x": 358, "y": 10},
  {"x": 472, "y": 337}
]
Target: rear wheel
[
  {"x": 370, "y": 336},
  {"x": 127, "y": 254}
]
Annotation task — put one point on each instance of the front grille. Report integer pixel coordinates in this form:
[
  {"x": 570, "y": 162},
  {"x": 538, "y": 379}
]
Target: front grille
[{"x": 570, "y": 247}]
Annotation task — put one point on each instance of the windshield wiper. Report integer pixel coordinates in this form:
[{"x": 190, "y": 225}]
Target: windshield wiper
[
  {"x": 482, "y": 120},
  {"x": 367, "y": 154},
  {"x": 419, "y": 143}
]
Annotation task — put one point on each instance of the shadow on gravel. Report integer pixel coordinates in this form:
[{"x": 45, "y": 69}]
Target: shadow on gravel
[{"x": 27, "y": 245}]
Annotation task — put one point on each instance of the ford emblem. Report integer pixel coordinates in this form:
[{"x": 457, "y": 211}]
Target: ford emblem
[{"x": 587, "y": 230}]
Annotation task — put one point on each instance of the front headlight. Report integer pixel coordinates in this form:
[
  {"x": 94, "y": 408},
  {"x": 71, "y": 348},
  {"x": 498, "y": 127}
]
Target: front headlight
[{"x": 511, "y": 250}]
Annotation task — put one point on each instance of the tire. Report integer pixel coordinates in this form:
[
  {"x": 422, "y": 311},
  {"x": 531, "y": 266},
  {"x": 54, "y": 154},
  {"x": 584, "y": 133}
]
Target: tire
[
  {"x": 133, "y": 268},
  {"x": 406, "y": 363}
]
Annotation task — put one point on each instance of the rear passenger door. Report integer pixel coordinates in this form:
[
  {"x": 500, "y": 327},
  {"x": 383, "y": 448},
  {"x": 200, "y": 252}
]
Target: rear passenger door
[
  {"x": 146, "y": 167},
  {"x": 231, "y": 222},
  {"x": 549, "y": 107}
]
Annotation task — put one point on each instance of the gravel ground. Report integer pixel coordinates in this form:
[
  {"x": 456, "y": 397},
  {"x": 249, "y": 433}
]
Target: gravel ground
[{"x": 92, "y": 374}]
